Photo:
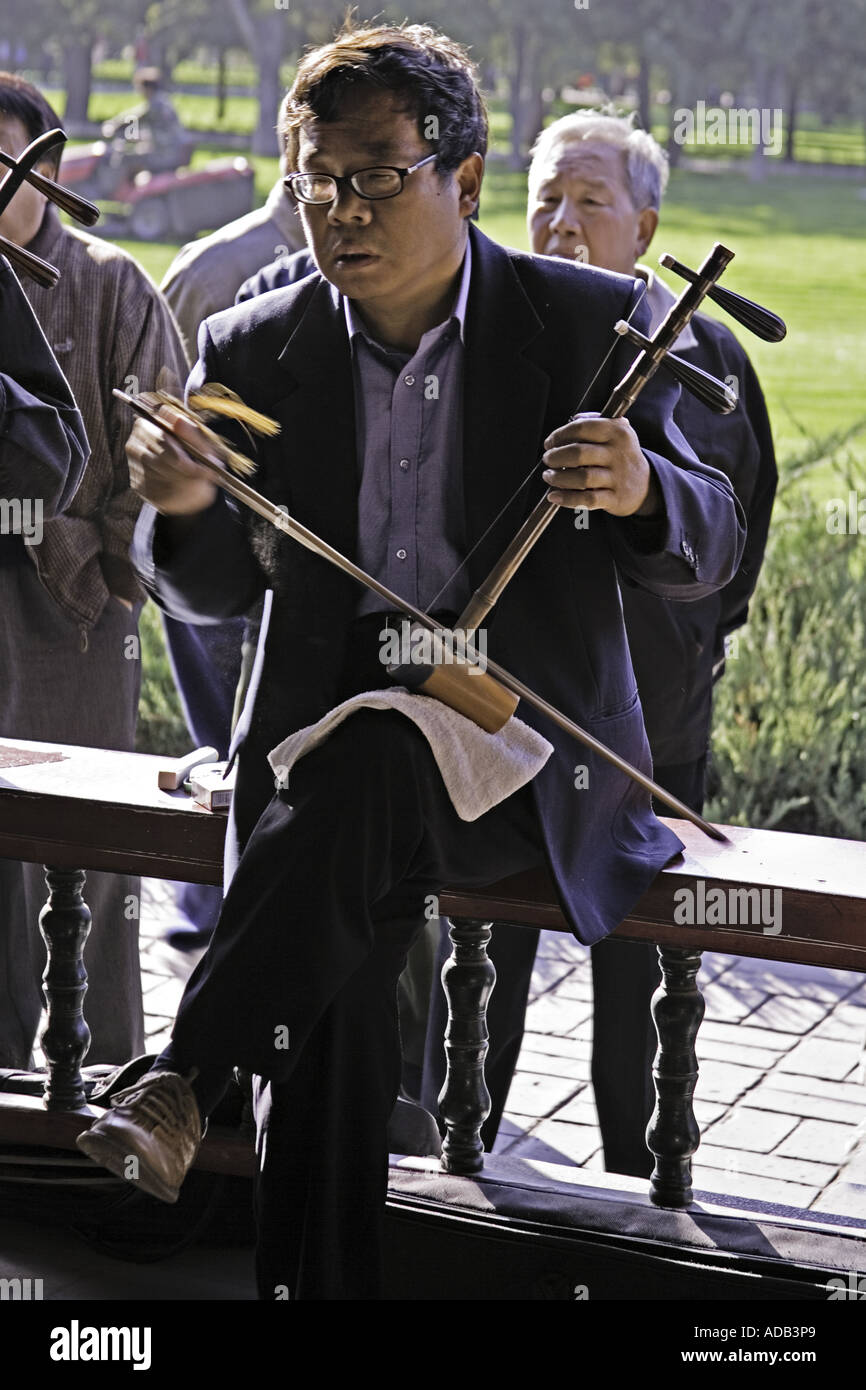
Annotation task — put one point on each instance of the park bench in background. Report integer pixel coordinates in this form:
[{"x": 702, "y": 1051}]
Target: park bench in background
[{"x": 74, "y": 809}]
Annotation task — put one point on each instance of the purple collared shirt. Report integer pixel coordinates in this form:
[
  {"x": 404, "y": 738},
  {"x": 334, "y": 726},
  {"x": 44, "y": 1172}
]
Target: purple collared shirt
[{"x": 409, "y": 414}]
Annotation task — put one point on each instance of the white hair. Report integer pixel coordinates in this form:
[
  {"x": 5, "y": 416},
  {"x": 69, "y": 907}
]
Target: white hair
[{"x": 645, "y": 160}]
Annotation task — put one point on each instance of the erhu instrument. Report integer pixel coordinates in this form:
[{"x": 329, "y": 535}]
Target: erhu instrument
[
  {"x": 22, "y": 170},
  {"x": 487, "y": 693},
  {"x": 656, "y": 352}
]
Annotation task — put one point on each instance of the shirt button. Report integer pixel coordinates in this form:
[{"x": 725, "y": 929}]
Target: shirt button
[
  {"x": 401, "y": 555},
  {"x": 404, "y": 464},
  {"x": 408, "y": 381}
]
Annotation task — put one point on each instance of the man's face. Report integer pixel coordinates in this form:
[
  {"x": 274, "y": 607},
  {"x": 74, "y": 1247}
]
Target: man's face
[
  {"x": 583, "y": 201},
  {"x": 393, "y": 252},
  {"x": 22, "y": 218}
]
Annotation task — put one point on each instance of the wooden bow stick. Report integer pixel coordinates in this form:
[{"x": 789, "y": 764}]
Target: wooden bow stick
[
  {"x": 22, "y": 170},
  {"x": 467, "y": 688}
]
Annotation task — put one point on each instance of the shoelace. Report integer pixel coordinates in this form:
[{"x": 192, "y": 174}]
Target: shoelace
[{"x": 167, "y": 1103}]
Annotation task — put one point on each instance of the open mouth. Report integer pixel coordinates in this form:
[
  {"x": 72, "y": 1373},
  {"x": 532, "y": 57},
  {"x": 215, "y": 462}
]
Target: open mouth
[{"x": 354, "y": 259}]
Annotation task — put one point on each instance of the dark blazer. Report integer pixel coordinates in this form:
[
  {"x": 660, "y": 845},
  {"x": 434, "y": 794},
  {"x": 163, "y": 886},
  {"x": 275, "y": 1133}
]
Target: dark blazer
[
  {"x": 536, "y": 333},
  {"x": 285, "y": 270},
  {"x": 678, "y": 649}
]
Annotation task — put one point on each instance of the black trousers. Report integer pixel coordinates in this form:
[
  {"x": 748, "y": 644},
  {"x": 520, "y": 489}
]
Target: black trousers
[
  {"x": 625, "y": 975},
  {"x": 299, "y": 985}
]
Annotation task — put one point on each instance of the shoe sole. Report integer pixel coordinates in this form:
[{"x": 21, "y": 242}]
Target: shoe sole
[{"x": 114, "y": 1155}]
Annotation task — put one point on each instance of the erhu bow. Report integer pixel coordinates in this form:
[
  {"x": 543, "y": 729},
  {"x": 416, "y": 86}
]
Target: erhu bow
[
  {"x": 22, "y": 170},
  {"x": 489, "y": 695}
]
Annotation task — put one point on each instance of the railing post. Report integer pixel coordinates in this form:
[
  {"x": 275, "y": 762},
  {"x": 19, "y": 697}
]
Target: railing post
[
  {"x": 65, "y": 923},
  {"x": 468, "y": 977},
  {"x": 672, "y": 1133}
]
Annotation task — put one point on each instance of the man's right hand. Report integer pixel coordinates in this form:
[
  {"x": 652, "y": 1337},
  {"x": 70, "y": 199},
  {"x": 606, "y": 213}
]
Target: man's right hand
[{"x": 163, "y": 473}]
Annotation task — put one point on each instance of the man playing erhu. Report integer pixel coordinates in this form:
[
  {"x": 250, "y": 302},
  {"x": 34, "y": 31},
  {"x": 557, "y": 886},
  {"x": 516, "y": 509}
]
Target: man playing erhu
[{"x": 386, "y": 133}]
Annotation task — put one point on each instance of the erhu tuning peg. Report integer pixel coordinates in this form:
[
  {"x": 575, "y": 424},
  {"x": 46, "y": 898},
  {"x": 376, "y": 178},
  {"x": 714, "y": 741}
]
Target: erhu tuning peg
[
  {"x": 760, "y": 321},
  {"x": 23, "y": 171},
  {"x": 25, "y": 263},
  {"x": 80, "y": 208},
  {"x": 707, "y": 388}
]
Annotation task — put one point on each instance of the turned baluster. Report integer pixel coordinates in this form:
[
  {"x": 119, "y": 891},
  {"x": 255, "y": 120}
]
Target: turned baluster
[
  {"x": 673, "y": 1134},
  {"x": 468, "y": 978},
  {"x": 65, "y": 923}
]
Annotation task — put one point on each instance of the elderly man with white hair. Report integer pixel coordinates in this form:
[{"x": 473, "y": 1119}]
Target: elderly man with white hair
[{"x": 595, "y": 189}]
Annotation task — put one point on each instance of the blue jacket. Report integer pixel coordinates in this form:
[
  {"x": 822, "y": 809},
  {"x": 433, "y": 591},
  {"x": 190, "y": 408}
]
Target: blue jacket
[{"x": 537, "y": 331}]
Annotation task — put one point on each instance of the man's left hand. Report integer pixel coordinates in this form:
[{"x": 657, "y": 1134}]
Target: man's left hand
[{"x": 597, "y": 463}]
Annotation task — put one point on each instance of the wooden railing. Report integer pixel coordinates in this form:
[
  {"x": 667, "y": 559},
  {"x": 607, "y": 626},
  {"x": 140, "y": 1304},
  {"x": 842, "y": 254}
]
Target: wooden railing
[{"x": 782, "y": 897}]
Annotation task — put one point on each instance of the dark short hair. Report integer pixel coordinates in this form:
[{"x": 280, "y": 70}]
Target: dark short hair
[
  {"x": 432, "y": 75},
  {"x": 21, "y": 101}
]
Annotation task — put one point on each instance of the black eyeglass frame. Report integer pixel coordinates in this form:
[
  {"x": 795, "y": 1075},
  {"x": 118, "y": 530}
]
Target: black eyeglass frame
[{"x": 340, "y": 180}]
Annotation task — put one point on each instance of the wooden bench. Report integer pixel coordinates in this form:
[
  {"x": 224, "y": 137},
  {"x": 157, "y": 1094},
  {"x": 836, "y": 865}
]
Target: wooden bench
[{"x": 74, "y": 809}]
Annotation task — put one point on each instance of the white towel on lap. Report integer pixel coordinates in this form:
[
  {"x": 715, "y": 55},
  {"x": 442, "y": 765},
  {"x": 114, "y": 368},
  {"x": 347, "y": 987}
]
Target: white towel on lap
[{"x": 479, "y": 769}]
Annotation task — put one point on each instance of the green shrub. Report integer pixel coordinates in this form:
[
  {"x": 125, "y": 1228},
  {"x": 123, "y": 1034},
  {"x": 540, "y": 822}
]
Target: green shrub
[
  {"x": 789, "y": 737},
  {"x": 161, "y": 726}
]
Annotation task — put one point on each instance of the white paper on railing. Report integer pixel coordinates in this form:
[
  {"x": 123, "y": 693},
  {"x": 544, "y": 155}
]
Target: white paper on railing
[{"x": 479, "y": 769}]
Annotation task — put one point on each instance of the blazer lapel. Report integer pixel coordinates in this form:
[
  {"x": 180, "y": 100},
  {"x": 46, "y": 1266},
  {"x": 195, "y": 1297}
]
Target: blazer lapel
[
  {"x": 505, "y": 397},
  {"x": 318, "y": 415}
]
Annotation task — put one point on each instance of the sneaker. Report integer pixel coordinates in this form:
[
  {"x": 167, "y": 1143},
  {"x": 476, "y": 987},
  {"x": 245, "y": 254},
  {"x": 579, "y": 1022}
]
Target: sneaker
[{"x": 150, "y": 1136}]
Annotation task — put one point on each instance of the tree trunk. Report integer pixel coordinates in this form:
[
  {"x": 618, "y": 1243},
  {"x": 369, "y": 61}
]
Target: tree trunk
[
  {"x": 157, "y": 54},
  {"x": 517, "y": 78},
  {"x": 757, "y": 163},
  {"x": 534, "y": 117},
  {"x": 76, "y": 79},
  {"x": 791, "y": 121},
  {"x": 533, "y": 104},
  {"x": 221, "y": 84},
  {"x": 643, "y": 90},
  {"x": 266, "y": 37},
  {"x": 676, "y": 86},
  {"x": 269, "y": 56}
]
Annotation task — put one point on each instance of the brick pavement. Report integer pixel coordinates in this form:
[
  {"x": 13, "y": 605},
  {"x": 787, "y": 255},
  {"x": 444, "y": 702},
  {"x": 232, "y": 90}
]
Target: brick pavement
[{"x": 781, "y": 1096}]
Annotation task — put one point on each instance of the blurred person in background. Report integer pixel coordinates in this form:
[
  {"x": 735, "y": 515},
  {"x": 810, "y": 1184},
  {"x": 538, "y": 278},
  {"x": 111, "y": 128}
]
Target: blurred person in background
[
  {"x": 148, "y": 136},
  {"x": 70, "y": 667}
]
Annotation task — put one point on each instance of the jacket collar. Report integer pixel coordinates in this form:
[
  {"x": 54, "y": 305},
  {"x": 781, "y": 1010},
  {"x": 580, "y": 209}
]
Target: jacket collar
[
  {"x": 319, "y": 421},
  {"x": 505, "y": 398}
]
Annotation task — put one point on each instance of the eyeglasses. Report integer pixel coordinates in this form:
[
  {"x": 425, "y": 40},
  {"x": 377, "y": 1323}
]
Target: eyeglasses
[{"x": 382, "y": 181}]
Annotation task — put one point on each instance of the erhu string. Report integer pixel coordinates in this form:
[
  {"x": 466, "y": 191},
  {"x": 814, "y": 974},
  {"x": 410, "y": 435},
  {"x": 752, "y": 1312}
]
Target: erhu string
[{"x": 533, "y": 471}]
